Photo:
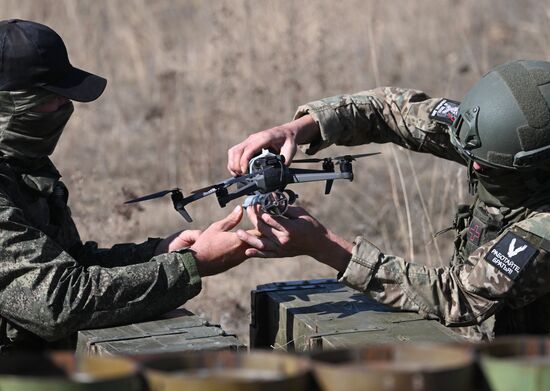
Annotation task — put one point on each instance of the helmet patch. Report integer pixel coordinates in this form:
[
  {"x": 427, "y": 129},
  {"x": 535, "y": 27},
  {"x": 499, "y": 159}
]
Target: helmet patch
[{"x": 445, "y": 111}]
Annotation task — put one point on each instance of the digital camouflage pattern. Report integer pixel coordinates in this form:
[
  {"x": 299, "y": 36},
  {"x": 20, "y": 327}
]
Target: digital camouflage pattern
[
  {"x": 482, "y": 293},
  {"x": 53, "y": 284}
]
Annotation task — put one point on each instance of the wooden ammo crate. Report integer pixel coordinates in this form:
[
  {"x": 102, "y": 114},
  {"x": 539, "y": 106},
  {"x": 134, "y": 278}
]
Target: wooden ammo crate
[
  {"x": 177, "y": 331},
  {"x": 325, "y": 314}
]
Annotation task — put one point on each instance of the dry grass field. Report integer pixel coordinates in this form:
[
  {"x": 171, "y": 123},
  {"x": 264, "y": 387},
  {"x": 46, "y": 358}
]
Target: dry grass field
[{"x": 190, "y": 78}]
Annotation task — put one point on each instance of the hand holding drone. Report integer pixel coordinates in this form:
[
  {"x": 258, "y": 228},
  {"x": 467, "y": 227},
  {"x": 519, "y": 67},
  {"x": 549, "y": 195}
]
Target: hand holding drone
[{"x": 265, "y": 184}]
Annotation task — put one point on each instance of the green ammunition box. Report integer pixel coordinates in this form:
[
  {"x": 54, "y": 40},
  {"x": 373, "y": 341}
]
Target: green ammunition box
[
  {"x": 177, "y": 331},
  {"x": 325, "y": 314}
]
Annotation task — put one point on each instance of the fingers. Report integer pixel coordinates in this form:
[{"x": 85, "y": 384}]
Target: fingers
[
  {"x": 239, "y": 155},
  {"x": 273, "y": 222},
  {"x": 251, "y": 240},
  {"x": 190, "y": 234},
  {"x": 288, "y": 150},
  {"x": 233, "y": 159},
  {"x": 230, "y": 221},
  {"x": 257, "y": 217},
  {"x": 247, "y": 154},
  {"x": 259, "y": 243},
  {"x": 254, "y": 146},
  {"x": 262, "y": 226},
  {"x": 254, "y": 232},
  {"x": 252, "y": 214}
]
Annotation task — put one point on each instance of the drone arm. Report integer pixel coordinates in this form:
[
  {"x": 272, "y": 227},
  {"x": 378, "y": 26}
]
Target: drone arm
[
  {"x": 319, "y": 176},
  {"x": 225, "y": 197}
]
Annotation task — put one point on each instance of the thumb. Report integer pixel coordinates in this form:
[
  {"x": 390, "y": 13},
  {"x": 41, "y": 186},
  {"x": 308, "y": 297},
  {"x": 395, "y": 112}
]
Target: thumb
[{"x": 231, "y": 221}]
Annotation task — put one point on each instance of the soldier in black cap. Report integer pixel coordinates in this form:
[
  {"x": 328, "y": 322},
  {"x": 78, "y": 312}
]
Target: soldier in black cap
[{"x": 51, "y": 283}]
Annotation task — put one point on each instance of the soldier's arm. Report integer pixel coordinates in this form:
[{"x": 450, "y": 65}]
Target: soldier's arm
[
  {"x": 50, "y": 294},
  {"x": 119, "y": 255},
  {"x": 381, "y": 115},
  {"x": 512, "y": 269},
  {"x": 129, "y": 253}
]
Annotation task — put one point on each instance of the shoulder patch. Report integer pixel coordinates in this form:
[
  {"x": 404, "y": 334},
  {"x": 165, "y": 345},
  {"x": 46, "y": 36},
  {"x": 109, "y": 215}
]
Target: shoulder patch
[
  {"x": 511, "y": 254},
  {"x": 445, "y": 111}
]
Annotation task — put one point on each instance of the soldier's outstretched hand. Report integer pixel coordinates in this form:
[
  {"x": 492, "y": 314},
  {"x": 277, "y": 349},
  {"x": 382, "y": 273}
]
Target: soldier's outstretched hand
[
  {"x": 298, "y": 233},
  {"x": 177, "y": 241},
  {"x": 281, "y": 139},
  {"x": 217, "y": 249}
]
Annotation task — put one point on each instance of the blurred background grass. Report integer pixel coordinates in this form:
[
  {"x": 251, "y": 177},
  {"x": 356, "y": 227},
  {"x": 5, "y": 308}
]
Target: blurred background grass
[{"x": 188, "y": 79}]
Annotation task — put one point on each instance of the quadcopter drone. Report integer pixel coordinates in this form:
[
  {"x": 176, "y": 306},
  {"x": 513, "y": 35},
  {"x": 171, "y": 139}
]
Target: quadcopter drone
[{"x": 265, "y": 184}]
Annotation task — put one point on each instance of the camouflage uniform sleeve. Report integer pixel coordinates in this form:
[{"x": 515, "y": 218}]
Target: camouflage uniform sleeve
[
  {"x": 119, "y": 255},
  {"x": 47, "y": 292},
  {"x": 382, "y": 115},
  {"x": 464, "y": 294}
]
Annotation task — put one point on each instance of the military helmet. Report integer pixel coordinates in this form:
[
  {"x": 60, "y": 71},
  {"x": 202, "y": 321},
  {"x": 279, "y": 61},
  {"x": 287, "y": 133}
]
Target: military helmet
[{"x": 504, "y": 120}]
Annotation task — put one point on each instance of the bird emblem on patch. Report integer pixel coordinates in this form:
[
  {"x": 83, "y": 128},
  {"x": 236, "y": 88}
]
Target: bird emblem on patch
[
  {"x": 513, "y": 251},
  {"x": 511, "y": 254}
]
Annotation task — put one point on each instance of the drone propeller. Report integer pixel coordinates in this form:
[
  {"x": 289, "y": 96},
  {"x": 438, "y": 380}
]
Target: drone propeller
[
  {"x": 153, "y": 196},
  {"x": 343, "y": 157},
  {"x": 353, "y": 157},
  {"x": 177, "y": 199}
]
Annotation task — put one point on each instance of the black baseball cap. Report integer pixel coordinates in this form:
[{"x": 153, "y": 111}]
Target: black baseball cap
[{"x": 33, "y": 55}]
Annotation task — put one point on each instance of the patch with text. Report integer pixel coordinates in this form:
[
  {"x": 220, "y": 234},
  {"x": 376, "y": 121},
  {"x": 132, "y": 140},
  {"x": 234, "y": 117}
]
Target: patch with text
[
  {"x": 445, "y": 111},
  {"x": 511, "y": 254}
]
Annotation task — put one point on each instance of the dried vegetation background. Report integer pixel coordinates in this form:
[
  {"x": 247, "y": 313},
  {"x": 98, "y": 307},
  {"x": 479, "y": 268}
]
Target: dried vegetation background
[{"x": 188, "y": 79}]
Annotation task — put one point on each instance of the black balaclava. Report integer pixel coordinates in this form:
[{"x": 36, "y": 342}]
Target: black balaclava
[{"x": 511, "y": 188}]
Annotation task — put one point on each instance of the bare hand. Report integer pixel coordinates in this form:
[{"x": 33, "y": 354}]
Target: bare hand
[
  {"x": 216, "y": 249},
  {"x": 280, "y": 139},
  {"x": 177, "y": 241},
  {"x": 298, "y": 234}
]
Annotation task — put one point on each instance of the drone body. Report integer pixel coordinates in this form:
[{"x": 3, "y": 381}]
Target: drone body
[{"x": 265, "y": 184}]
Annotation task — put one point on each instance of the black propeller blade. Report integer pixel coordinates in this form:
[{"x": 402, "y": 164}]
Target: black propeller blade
[
  {"x": 343, "y": 157},
  {"x": 152, "y": 196},
  {"x": 353, "y": 157}
]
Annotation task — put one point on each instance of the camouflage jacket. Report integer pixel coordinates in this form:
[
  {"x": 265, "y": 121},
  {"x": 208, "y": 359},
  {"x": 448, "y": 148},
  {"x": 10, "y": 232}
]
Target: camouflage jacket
[
  {"x": 53, "y": 284},
  {"x": 503, "y": 272}
]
